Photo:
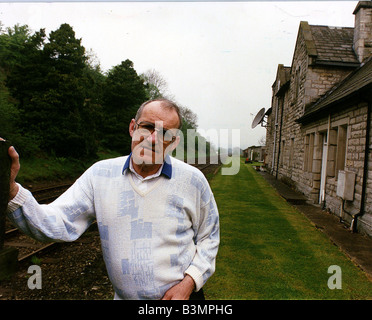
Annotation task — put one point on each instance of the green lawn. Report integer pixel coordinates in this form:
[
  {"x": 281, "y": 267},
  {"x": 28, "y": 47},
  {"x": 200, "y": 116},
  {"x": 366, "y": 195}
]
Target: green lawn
[{"x": 269, "y": 250}]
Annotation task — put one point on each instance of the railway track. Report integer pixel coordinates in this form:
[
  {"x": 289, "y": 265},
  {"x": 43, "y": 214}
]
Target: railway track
[
  {"x": 47, "y": 195},
  {"x": 29, "y": 247}
]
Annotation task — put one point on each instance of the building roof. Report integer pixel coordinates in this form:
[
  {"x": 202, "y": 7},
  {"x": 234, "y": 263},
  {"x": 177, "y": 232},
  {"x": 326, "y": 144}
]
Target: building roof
[
  {"x": 283, "y": 76},
  {"x": 329, "y": 45},
  {"x": 360, "y": 79},
  {"x": 334, "y": 45},
  {"x": 363, "y": 4}
]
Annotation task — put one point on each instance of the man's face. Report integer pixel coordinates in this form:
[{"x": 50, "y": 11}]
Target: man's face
[{"x": 150, "y": 147}]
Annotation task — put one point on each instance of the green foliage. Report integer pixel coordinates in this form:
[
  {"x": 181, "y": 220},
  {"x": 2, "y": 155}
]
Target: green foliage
[
  {"x": 55, "y": 101},
  {"x": 123, "y": 93},
  {"x": 13, "y": 44},
  {"x": 50, "y": 87},
  {"x": 36, "y": 260},
  {"x": 12, "y": 41},
  {"x": 65, "y": 52}
]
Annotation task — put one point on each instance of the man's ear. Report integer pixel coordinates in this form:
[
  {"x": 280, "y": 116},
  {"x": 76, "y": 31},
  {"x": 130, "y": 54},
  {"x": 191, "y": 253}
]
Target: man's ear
[
  {"x": 176, "y": 142},
  {"x": 132, "y": 126}
]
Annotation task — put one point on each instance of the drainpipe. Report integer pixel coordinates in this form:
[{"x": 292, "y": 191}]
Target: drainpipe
[
  {"x": 323, "y": 191},
  {"x": 353, "y": 226}
]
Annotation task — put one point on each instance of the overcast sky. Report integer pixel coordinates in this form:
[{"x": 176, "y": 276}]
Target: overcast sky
[{"x": 218, "y": 58}]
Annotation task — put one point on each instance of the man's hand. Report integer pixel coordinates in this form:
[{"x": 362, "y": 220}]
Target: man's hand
[
  {"x": 182, "y": 290},
  {"x": 14, "y": 169}
]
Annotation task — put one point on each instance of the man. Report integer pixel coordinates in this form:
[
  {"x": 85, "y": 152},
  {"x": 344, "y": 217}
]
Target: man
[{"x": 157, "y": 217}]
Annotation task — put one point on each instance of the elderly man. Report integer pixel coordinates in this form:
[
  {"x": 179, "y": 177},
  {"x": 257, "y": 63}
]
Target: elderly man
[{"x": 157, "y": 217}]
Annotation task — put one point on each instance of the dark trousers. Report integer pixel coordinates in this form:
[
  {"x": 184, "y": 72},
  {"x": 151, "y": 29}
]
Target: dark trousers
[{"x": 197, "y": 295}]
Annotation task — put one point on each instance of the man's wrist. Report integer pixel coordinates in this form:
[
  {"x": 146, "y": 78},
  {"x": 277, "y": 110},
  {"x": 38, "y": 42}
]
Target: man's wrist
[
  {"x": 189, "y": 281},
  {"x": 195, "y": 274},
  {"x": 14, "y": 188}
]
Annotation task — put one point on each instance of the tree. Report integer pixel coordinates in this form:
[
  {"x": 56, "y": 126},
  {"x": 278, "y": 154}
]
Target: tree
[
  {"x": 123, "y": 93},
  {"x": 65, "y": 52},
  {"x": 17, "y": 47},
  {"x": 53, "y": 95},
  {"x": 71, "y": 119},
  {"x": 262, "y": 141},
  {"x": 50, "y": 85},
  {"x": 9, "y": 112},
  {"x": 190, "y": 119},
  {"x": 156, "y": 86},
  {"x": 12, "y": 44}
]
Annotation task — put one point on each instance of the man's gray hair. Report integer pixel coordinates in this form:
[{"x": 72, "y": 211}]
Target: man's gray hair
[{"x": 164, "y": 103}]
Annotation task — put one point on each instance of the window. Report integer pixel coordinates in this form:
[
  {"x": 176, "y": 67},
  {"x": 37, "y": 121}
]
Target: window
[
  {"x": 341, "y": 148},
  {"x": 309, "y": 152},
  {"x": 337, "y": 142}
]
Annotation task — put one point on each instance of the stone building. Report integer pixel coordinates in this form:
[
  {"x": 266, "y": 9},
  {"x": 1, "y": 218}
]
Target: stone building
[
  {"x": 318, "y": 134},
  {"x": 255, "y": 153}
]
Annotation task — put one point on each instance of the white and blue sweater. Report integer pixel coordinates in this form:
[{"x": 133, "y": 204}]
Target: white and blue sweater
[{"x": 150, "y": 240}]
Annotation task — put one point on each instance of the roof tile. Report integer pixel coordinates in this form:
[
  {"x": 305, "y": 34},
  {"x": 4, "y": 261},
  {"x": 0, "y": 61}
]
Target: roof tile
[{"x": 334, "y": 44}]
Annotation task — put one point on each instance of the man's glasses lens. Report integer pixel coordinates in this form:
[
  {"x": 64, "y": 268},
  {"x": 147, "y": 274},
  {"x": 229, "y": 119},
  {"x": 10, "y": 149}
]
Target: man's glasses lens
[{"x": 145, "y": 129}]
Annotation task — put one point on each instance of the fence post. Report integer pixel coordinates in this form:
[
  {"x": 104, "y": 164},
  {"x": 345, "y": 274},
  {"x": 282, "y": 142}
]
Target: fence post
[{"x": 8, "y": 256}]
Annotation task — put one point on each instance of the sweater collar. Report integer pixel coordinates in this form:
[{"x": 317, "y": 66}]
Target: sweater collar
[{"x": 167, "y": 167}]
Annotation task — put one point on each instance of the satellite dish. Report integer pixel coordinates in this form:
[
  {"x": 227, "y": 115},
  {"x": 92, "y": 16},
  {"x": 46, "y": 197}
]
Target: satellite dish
[{"x": 258, "y": 118}]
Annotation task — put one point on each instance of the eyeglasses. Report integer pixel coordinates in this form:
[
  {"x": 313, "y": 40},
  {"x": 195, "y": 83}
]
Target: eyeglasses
[{"x": 145, "y": 129}]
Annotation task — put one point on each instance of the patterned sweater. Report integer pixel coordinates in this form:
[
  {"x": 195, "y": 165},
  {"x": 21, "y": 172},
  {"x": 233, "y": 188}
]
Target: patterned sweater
[{"x": 149, "y": 240}]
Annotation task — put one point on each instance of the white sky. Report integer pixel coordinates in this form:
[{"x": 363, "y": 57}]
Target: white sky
[{"x": 218, "y": 58}]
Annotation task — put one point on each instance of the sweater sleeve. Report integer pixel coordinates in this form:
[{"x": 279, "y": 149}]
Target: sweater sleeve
[
  {"x": 207, "y": 242},
  {"x": 65, "y": 219}
]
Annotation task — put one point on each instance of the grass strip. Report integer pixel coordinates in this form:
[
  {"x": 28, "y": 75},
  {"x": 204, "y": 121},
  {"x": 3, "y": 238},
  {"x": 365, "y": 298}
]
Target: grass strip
[{"x": 270, "y": 250}]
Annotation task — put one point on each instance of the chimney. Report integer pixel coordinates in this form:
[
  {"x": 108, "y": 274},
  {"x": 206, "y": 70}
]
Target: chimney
[{"x": 363, "y": 30}]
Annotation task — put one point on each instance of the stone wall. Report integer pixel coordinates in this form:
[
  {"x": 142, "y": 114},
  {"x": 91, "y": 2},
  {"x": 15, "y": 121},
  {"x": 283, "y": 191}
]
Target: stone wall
[
  {"x": 363, "y": 30},
  {"x": 299, "y": 148},
  {"x": 308, "y": 82}
]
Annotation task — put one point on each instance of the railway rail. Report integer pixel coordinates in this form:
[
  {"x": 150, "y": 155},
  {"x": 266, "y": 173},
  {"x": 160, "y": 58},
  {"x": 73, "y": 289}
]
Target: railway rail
[
  {"x": 28, "y": 247},
  {"x": 47, "y": 195}
]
